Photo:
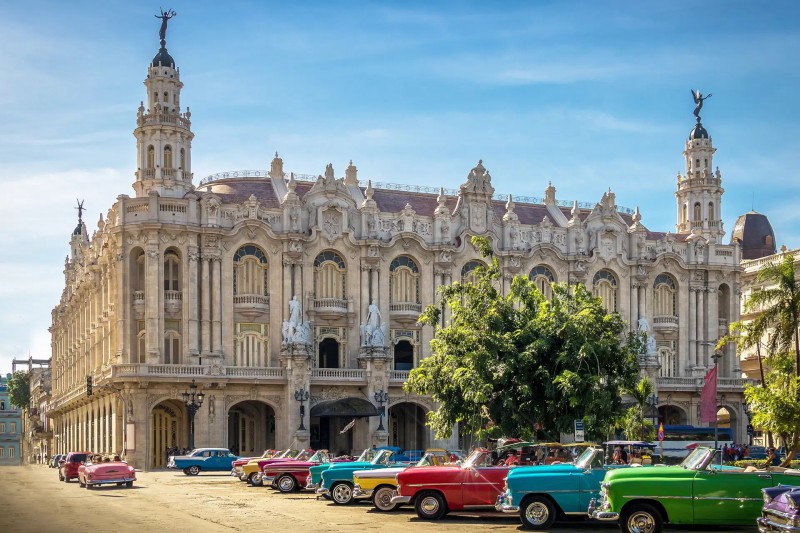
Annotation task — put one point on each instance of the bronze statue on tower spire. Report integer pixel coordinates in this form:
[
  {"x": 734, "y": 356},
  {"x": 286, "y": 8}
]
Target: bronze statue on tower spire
[
  {"x": 164, "y": 16},
  {"x": 698, "y": 100}
]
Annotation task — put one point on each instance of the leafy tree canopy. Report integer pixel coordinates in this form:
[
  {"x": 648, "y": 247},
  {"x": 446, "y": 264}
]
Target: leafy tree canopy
[
  {"x": 775, "y": 408},
  {"x": 522, "y": 364},
  {"x": 19, "y": 390}
]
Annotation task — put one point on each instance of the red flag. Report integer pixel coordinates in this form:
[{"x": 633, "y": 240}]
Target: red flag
[{"x": 708, "y": 398}]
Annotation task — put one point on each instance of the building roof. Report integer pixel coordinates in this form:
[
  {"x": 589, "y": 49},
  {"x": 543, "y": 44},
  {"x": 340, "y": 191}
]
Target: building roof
[
  {"x": 698, "y": 132},
  {"x": 755, "y": 235},
  {"x": 163, "y": 58}
]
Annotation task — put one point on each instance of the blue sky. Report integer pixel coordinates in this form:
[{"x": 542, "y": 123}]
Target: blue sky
[{"x": 589, "y": 95}]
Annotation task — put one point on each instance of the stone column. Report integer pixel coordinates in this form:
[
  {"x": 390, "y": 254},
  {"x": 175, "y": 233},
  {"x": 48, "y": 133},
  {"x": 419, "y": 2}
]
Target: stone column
[
  {"x": 151, "y": 305},
  {"x": 634, "y": 323},
  {"x": 692, "y": 327},
  {"x": 216, "y": 307},
  {"x": 702, "y": 358},
  {"x": 205, "y": 311},
  {"x": 190, "y": 299},
  {"x": 642, "y": 302}
]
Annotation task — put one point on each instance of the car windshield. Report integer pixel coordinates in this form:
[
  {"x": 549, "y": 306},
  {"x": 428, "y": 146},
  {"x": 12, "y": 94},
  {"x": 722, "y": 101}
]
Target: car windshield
[
  {"x": 320, "y": 457},
  {"x": 589, "y": 458},
  {"x": 697, "y": 460},
  {"x": 288, "y": 454},
  {"x": 304, "y": 455},
  {"x": 432, "y": 459},
  {"x": 366, "y": 456},
  {"x": 478, "y": 458},
  {"x": 78, "y": 457},
  {"x": 382, "y": 457}
]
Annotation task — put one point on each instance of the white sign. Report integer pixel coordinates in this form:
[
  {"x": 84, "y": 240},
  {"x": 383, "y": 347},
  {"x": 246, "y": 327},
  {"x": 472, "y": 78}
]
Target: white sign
[{"x": 579, "y": 433}]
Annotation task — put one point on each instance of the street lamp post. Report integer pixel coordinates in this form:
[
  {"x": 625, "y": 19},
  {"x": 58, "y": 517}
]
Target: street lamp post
[
  {"x": 193, "y": 400},
  {"x": 302, "y": 396},
  {"x": 716, "y": 357},
  {"x": 381, "y": 397},
  {"x": 652, "y": 404}
]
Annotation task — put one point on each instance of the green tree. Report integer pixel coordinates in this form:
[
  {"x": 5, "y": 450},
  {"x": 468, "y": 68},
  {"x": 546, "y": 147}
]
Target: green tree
[
  {"x": 634, "y": 424},
  {"x": 19, "y": 389},
  {"x": 522, "y": 364},
  {"x": 778, "y": 312},
  {"x": 775, "y": 407}
]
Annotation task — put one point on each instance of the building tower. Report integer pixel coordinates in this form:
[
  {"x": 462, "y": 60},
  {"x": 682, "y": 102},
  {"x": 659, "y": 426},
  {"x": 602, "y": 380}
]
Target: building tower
[
  {"x": 163, "y": 134},
  {"x": 699, "y": 191}
]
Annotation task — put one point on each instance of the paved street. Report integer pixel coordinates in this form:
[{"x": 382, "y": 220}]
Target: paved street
[{"x": 32, "y": 499}]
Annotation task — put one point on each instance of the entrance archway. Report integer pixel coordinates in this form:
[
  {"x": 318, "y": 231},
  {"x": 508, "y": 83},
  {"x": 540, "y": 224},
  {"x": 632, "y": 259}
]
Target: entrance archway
[
  {"x": 168, "y": 429},
  {"x": 251, "y": 428},
  {"x": 671, "y": 415},
  {"x": 329, "y": 421},
  {"x": 407, "y": 426}
]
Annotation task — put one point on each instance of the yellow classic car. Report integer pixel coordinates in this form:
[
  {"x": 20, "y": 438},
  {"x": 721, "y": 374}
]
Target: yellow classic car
[
  {"x": 380, "y": 485},
  {"x": 251, "y": 472},
  {"x": 238, "y": 464}
]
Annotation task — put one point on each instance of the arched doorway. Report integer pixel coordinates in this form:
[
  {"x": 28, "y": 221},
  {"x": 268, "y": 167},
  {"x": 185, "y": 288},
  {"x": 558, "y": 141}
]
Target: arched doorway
[
  {"x": 251, "y": 428},
  {"x": 168, "y": 429},
  {"x": 407, "y": 426},
  {"x": 328, "y": 354},
  {"x": 726, "y": 418},
  {"x": 403, "y": 356},
  {"x": 330, "y": 423},
  {"x": 670, "y": 415}
]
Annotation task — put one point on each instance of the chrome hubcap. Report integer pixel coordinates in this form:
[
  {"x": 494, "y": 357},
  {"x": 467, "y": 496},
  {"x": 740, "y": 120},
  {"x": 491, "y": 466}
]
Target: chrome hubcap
[
  {"x": 429, "y": 505},
  {"x": 384, "y": 498},
  {"x": 342, "y": 493},
  {"x": 537, "y": 513},
  {"x": 641, "y": 522},
  {"x": 286, "y": 483}
]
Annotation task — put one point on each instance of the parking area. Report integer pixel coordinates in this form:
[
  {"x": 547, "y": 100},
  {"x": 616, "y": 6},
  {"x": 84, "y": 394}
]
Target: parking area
[{"x": 32, "y": 499}]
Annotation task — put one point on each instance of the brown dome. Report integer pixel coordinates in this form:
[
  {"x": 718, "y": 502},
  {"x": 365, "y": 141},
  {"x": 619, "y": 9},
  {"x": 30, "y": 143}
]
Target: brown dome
[{"x": 755, "y": 235}]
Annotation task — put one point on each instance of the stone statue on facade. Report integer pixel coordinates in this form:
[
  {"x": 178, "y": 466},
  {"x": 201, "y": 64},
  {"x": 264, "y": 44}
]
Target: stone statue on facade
[
  {"x": 295, "y": 312},
  {"x": 373, "y": 333},
  {"x": 650, "y": 346},
  {"x": 294, "y": 330}
]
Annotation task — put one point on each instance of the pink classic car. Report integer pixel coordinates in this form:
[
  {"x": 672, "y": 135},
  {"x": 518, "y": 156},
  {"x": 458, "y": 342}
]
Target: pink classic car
[{"x": 119, "y": 472}]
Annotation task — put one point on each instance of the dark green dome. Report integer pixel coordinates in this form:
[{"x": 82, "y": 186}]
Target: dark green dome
[
  {"x": 698, "y": 132},
  {"x": 163, "y": 58}
]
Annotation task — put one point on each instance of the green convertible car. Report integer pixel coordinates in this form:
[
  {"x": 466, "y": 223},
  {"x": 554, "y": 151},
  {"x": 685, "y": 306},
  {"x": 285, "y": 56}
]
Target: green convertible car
[{"x": 693, "y": 493}]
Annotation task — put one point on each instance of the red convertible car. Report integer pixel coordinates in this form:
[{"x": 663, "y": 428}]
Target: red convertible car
[
  {"x": 119, "y": 472},
  {"x": 291, "y": 475},
  {"x": 435, "y": 491},
  {"x": 68, "y": 466}
]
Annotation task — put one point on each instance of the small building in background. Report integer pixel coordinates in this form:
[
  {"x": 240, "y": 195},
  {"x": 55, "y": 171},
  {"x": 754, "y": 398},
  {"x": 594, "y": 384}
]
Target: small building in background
[{"x": 10, "y": 427}]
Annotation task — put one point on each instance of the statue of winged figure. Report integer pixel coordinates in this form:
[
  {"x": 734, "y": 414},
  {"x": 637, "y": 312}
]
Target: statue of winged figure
[
  {"x": 698, "y": 98},
  {"x": 164, "y": 16}
]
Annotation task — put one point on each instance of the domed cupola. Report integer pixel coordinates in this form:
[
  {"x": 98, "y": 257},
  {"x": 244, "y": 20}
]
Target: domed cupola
[
  {"x": 698, "y": 132},
  {"x": 163, "y": 59},
  {"x": 755, "y": 235}
]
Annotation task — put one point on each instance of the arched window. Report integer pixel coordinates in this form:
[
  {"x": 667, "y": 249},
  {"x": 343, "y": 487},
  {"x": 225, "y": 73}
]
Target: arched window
[
  {"x": 250, "y": 272},
  {"x": 667, "y": 359},
  {"x": 685, "y": 214},
  {"x": 168, "y": 156},
  {"x": 172, "y": 348},
  {"x": 711, "y": 211},
  {"x": 665, "y": 296},
  {"x": 151, "y": 157},
  {"x": 172, "y": 271},
  {"x": 141, "y": 346},
  {"x": 166, "y": 97},
  {"x": 604, "y": 285},
  {"x": 251, "y": 346},
  {"x": 543, "y": 278},
  {"x": 697, "y": 215},
  {"x": 328, "y": 353},
  {"x": 403, "y": 280},
  {"x": 468, "y": 274},
  {"x": 403, "y": 355},
  {"x": 183, "y": 159},
  {"x": 329, "y": 275}
]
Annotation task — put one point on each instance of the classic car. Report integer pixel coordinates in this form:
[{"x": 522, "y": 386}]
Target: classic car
[
  {"x": 543, "y": 493},
  {"x": 381, "y": 485},
  {"x": 251, "y": 472},
  {"x": 118, "y": 472},
  {"x": 692, "y": 493},
  {"x": 435, "y": 491},
  {"x": 781, "y": 511},
  {"x": 289, "y": 476},
  {"x": 337, "y": 481},
  {"x": 203, "y": 459},
  {"x": 68, "y": 466},
  {"x": 314, "y": 479},
  {"x": 238, "y": 464}
]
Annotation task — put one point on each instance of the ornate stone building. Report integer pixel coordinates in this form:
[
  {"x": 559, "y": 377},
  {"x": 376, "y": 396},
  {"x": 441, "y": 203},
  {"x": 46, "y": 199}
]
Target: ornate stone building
[{"x": 259, "y": 285}]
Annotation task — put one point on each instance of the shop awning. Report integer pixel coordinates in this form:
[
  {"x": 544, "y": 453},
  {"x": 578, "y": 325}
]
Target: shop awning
[{"x": 344, "y": 407}]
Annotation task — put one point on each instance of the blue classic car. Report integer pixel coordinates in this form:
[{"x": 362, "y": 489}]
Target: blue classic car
[
  {"x": 337, "y": 481},
  {"x": 206, "y": 459},
  {"x": 542, "y": 493}
]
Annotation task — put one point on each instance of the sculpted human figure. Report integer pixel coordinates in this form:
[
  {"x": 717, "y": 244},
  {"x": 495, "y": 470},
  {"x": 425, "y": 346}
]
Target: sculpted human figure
[
  {"x": 164, "y": 16},
  {"x": 698, "y": 100},
  {"x": 295, "y": 312},
  {"x": 373, "y": 316}
]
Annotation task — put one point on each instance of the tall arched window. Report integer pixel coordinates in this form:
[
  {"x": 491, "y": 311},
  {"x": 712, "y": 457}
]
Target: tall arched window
[
  {"x": 329, "y": 275},
  {"x": 183, "y": 159},
  {"x": 543, "y": 278},
  {"x": 172, "y": 271},
  {"x": 685, "y": 214},
  {"x": 665, "y": 296},
  {"x": 172, "y": 348},
  {"x": 697, "y": 215},
  {"x": 168, "y": 156},
  {"x": 710, "y": 210},
  {"x": 151, "y": 157},
  {"x": 141, "y": 346},
  {"x": 468, "y": 274},
  {"x": 604, "y": 285},
  {"x": 250, "y": 273},
  {"x": 403, "y": 281},
  {"x": 140, "y": 272},
  {"x": 251, "y": 345}
]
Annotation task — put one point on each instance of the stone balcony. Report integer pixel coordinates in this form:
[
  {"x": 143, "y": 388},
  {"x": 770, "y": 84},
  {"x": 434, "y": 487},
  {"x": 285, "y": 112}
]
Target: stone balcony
[
  {"x": 405, "y": 311},
  {"x": 695, "y": 384},
  {"x": 329, "y": 307},
  {"x": 338, "y": 375},
  {"x": 665, "y": 323},
  {"x": 399, "y": 376},
  {"x": 173, "y": 300},
  {"x": 251, "y": 305}
]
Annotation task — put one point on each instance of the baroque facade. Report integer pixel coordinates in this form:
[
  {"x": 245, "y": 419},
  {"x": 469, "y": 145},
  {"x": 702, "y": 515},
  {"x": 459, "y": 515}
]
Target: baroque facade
[{"x": 260, "y": 285}]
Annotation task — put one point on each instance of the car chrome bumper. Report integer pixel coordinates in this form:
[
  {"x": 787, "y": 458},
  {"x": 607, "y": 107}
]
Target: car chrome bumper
[
  {"x": 504, "y": 505},
  {"x": 311, "y": 486},
  {"x": 267, "y": 479},
  {"x": 104, "y": 481},
  {"x": 400, "y": 500},
  {"x": 358, "y": 492},
  {"x": 322, "y": 491},
  {"x": 599, "y": 511},
  {"x": 765, "y": 525}
]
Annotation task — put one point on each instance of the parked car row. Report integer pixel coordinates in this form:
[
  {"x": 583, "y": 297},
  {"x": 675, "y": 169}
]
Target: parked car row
[
  {"x": 93, "y": 470},
  {"x": 639, "y": 496}
]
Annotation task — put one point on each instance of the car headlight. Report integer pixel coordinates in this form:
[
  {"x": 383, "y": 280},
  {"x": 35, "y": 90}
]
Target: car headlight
[
  {"x": 767, "y": 497},
  {"x": 791, "y": 503}
]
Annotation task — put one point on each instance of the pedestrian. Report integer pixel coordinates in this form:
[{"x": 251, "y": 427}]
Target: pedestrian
[{"x": 772, "y": 459}]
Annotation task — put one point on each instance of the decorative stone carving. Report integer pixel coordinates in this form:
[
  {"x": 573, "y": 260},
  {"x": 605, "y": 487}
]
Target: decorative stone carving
[{"x": 373, "y": 332}]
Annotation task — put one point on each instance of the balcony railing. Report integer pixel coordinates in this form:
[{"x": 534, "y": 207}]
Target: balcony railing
[
  {"x": 138, "y": 297},
  {"x": 254, "y": 372},
  {"x": 251, "y": 299},
  {"x": 399, "y": 375},
  {"x": 405, "y": 307},
  {"x": 173, "y": 296},
  {"x": 338, "y": 374},
  {"x": 696, "y": 383},
  {"x": 330, "y": 304},
  {"x": 665, "y": 322}
]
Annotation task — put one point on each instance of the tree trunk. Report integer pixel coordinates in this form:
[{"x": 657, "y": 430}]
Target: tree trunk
[{"x": 791, "y": 452}]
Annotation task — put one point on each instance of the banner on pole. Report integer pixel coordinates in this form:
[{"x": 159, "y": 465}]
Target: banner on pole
[{"x": 708, "y": 398}]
